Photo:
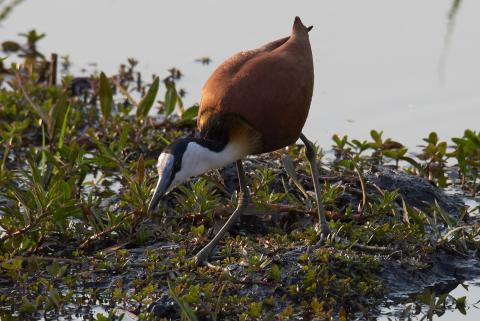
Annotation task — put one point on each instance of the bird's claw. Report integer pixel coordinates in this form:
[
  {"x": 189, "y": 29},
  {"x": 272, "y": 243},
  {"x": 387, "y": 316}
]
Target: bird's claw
[
  {"x": 322, "y": 229},
  {"x": 323, "y": 232},
  {"x": 202, "y": 256}
]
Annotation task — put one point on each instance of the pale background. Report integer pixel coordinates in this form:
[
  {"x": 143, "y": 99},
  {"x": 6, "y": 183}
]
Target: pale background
[{"x": 376, "y": 61}]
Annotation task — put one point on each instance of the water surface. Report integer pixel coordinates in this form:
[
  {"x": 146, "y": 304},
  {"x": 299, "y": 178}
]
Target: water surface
[{"x": 377, "y": 62}]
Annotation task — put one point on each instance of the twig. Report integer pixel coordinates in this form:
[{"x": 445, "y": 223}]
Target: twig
[
  {"x": 451, "y": 250},
  {"x": 337, "y": 178},
  {"x": 250, "y": 282},
  {"x": 125, "y": 92},
  {"x": 454, "y": 230},
  {"x": 23, "y": 230},
  {"x": 371, "y": 248},
  {"x": 95, "y": 236},
  {"x": 217, "y": 185},
  {"x": 290, "y": 169},
  {"x": 271, "y": 209},
  {"x": 266, "y": 209},
  {"x": 46, "y": 258},
  {"x": 37, "y": 108},
  {"x": 52, "y": 81},
  {"x": 362, "y": 184},
  {"x": 290, "y": 208}
]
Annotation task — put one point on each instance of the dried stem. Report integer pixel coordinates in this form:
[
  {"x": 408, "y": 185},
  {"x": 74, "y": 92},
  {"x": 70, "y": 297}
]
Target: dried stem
[
  {"x": 96, "y": 236},
  {"x": 23, "y": 230}
]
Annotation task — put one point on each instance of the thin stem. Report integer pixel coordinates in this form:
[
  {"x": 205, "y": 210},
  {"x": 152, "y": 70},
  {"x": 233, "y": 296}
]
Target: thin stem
[
  {"x": 95, "y": 236},
  {"x": 362, "y": 184},
  {"x": 24, "y": 229}
]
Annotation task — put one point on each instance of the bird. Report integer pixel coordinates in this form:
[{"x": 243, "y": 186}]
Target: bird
[{"x": 255, "y": 102}]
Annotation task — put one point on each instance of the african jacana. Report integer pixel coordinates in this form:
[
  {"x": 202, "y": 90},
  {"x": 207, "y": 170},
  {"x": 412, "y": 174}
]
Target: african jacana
[{"x": 255, "y": 102}]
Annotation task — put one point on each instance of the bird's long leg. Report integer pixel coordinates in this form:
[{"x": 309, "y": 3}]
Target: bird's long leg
[
  {"x": 243, "y": 199},
  {"x": 311, "y": 156}
]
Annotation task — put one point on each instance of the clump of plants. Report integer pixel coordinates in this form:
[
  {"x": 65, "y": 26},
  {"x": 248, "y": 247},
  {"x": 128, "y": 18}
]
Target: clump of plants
[{"x": 77, "y": 159}]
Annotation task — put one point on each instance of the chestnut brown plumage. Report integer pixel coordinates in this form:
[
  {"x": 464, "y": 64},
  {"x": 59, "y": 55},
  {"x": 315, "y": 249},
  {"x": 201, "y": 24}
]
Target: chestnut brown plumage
[
  {"x": 269, "y": 89},
  {"x": 257, "y": 101}
]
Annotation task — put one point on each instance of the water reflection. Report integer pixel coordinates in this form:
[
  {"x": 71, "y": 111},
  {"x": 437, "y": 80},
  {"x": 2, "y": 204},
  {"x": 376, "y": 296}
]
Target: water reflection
[
  {"x": 452, "y": 14},
  {"x": 377, "y": 63}
]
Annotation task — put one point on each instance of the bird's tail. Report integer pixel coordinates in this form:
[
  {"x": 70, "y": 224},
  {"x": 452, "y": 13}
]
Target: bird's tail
[{"x": 299, "y": 27}]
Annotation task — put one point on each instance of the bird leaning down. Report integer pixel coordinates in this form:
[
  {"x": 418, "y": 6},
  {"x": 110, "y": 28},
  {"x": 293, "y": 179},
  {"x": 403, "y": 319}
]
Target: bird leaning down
[{"x": 255, "y": 102}]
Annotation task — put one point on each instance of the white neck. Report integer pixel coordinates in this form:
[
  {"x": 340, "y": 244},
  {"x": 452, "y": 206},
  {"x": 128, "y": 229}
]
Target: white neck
[{"x": 198, "y": 159}]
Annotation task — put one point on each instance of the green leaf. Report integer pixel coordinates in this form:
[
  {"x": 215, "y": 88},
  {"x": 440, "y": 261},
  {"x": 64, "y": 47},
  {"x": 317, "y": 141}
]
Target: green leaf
[
  {"x": 377, "y": 136},
  {"x": 460, "y": 304},
  {"x": 140, "y": 170},
  {"x": 123, "y": 138},
  {"x": 254, "y": 309},
  {"x": 186, "y": 310},
  {"x": 44, "y": 156},
  {"x": 341, "y": 142},
  {"x": 64, "y": 127},
  {"x": 425, "y": 297},
  {"x": 432, "y": 138},
  {"x": 57, "y": 114},
  {"x": 406, "y": 218},
  {"x": 190, "y": 114},
  {"x": 450, "y": 221},
  {"x": 198, "y": 230},
  {"x": 147, "y": 101},
  {"x": 106, "y": 97},
  {"x": 193, "y": 294},
  {"x": 393, "y": 153},
  {"x": 170, "y": 98},
  {"x": 27, "y": 306},
  {"x": 13, "y": 264},
  {"x": 275, "y": 273},
  {"x": 101, "y": 317}
]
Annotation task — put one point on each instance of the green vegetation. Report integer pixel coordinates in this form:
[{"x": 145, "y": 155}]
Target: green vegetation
[{"x": 76, "y": 170}]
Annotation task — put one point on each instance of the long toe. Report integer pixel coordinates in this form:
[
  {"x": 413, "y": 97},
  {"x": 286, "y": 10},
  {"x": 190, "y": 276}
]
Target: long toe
[
  {"x": 322, "y": 237},
  {"x": 322, "y": 229},
  {"x": 202, "y": 256}
]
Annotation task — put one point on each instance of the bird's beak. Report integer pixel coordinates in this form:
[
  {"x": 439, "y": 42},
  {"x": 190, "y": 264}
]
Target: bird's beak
[
  {"x": 160, "y": 190},
  {"x": 165, "y": 168}
]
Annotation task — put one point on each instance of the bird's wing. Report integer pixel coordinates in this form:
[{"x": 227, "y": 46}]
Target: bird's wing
[{"x": 269, "y": 88}]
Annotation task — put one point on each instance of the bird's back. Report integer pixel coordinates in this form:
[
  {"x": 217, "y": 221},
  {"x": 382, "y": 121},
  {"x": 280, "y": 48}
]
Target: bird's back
[{"x": 266, "y": 90}]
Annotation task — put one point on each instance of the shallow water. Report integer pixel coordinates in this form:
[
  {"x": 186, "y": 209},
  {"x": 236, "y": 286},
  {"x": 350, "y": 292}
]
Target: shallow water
[
  {"x": 472, "y": 309},
  {"x": 378, "y": 64}
]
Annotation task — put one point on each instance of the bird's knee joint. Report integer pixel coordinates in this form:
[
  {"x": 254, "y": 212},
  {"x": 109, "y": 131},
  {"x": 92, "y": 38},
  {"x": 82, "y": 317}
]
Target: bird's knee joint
[{"x": 310, "y": 152}]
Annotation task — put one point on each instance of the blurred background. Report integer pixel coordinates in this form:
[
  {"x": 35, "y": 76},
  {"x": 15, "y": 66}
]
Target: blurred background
[{"x": 405, "y": 67}]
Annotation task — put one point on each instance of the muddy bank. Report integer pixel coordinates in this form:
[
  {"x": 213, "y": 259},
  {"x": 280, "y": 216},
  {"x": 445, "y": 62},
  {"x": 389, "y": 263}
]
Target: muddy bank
[{"x": 402, "y": 274}]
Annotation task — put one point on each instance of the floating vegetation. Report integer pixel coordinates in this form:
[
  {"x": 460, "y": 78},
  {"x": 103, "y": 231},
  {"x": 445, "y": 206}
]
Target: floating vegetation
[{"x": 77, "y": 162}]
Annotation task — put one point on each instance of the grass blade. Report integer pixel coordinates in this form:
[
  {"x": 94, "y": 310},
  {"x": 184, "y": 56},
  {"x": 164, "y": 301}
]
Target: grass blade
[{"x": 290, "y": 169}]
